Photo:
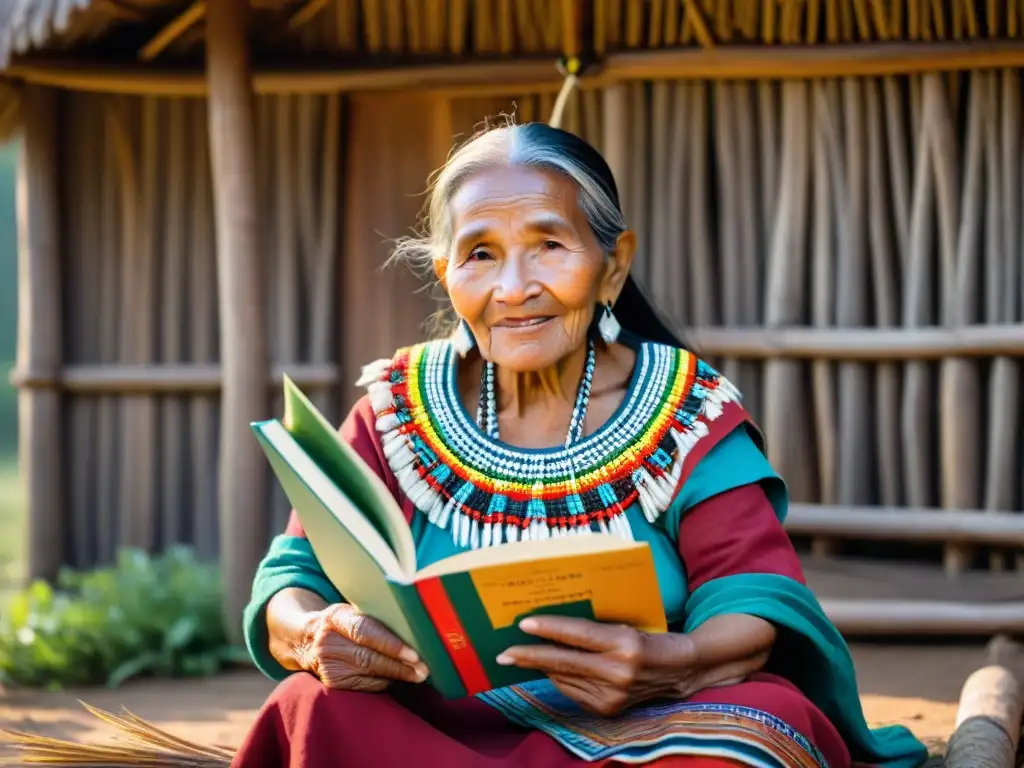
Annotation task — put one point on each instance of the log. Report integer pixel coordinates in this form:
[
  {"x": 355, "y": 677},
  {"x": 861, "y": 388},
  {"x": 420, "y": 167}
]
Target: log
[
  {"x": 866, "y": 344},
  {"x": 615, "y": 140},
  {"x": 40, "y": 338},
  {"x": 922, "y": 618},
  {"x": 823, "y": 305},
  {"x": 786, "y": 399},
  {"x": 886, "y": 260},
  {"x": 243, "y": 324},
  {"x": 166, "y": 378},
  {"x": 766, "y": 62},
  {"x": 202, "y": 341},
  {"x": 988, "y": 720},
  {"x": 174, "y": 482},
  {"x": 1005, "y": 529},
  {"x": 733, "y": 62}
]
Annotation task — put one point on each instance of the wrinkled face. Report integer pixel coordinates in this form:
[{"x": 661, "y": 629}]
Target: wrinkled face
[{"x": 525, "y": 270}]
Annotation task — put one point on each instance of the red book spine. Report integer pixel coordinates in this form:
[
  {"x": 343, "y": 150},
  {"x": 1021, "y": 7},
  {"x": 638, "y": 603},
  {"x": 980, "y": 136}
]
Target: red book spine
[{"x": 453, "y": 635}]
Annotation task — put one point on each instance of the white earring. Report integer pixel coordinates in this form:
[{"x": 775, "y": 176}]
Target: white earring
[
  {"x": 608, "y": 326},
  {"x": 462, "y": 339}
]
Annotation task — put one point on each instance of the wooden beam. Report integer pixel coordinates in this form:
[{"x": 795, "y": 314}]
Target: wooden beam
[
  {"x": 865, "y": 344},
  {"x": 504, "y": 77},
  {"x": 888, "y": 618},
  {"x": 1001, "y": 529},
  {"x": 785, "y": 62},
  {"x": 700, "y": 25},
  {"x": 153, "y": 81},
  {"x": 306, "y": 13},
  {"x": 243, "y": 322},
  {"x": 175, "y": 29},
  {"x": 165, "y": 378},
  {"x": 40, "y": 446},
  {"x": 120, "y": 9}
]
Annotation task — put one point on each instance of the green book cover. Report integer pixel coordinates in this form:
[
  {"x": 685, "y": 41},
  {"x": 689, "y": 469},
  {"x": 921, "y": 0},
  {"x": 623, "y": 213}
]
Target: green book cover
[{"x": 461, "y": 612}]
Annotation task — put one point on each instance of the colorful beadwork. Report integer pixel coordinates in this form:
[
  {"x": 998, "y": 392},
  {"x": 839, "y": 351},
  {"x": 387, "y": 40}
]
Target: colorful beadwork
[{"x": 485, "y": 491}]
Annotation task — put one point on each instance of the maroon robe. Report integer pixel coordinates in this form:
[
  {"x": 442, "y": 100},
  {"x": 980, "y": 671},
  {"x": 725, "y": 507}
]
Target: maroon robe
[{"x": 305, "y": 725}]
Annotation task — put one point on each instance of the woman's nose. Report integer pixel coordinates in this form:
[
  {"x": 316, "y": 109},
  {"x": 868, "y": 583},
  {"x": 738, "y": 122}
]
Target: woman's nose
[{"x": 516, "y": 284}]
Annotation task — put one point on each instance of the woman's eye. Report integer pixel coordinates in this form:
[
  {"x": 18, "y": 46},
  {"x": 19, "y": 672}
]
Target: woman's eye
[
  {"x": 478, "y": 254},
  {"x": 552, "y": 245}
]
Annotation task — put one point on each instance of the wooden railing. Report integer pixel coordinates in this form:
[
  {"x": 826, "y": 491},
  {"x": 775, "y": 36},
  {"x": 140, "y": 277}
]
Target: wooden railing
[
  {"x": 166, "y": 378},
  {"x": 863, "y": 344}
]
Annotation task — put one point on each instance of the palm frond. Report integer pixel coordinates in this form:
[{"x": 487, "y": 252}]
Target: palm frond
[{"x": 145, "y": 746}]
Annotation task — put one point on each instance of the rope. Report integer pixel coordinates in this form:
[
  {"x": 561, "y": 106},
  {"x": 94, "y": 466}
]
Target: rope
[{"x": 571, "y": 67}]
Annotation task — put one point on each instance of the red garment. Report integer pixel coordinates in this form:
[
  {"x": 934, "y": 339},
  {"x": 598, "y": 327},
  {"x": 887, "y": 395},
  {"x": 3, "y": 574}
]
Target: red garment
[{"x": 305, "y": 725}]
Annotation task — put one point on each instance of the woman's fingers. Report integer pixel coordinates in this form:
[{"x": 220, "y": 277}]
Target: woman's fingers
[
  {"x": 553, "y": 660},
  {"x": 370, "y": 633},
  {"x": 579, "y": 633},
  {"x": 366, "y": 662}
]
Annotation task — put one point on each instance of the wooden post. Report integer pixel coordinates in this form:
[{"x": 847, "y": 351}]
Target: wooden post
[
  {"x": 243, "y": 329},
  {"x": 39, "y": 329},
  {"x": 615, "y": 141}
]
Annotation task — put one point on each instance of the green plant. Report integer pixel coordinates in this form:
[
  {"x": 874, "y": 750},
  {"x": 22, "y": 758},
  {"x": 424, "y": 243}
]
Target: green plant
[{"x": 158, "y": 616}]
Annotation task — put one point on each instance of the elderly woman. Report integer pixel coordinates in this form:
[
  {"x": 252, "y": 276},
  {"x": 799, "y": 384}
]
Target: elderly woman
[{"x": 561, "y": 385}]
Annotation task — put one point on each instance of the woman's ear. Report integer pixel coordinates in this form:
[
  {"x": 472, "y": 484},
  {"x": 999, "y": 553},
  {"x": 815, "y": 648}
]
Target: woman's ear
[{"x": 620, "y": 261}]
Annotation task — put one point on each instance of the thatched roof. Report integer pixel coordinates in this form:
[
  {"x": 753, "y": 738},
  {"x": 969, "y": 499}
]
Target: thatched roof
[
  {"x": 28, "y": 24},
  {"x": 356, "y": 34},
  {"x": 122, "y": 31}
]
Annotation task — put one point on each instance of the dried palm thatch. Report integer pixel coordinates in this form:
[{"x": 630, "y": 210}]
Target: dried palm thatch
[{"x": 147, "y": 746}]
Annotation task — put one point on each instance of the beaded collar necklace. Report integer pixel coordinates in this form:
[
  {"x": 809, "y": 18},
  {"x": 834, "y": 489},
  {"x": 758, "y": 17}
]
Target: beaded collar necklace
[
  {"x": 486, "y": 492},
  {"x": 487, "y": 410}
]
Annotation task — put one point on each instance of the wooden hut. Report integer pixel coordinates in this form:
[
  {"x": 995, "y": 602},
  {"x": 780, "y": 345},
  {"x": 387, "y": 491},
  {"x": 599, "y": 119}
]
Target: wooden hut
[{"x": 828, "y": 195}]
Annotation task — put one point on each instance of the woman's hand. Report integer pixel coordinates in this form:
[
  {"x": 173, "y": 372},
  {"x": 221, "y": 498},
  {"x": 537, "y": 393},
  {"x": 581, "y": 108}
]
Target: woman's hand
[
  {"x": 350, "y": 651},
  {"x": 607, "y": 668}
]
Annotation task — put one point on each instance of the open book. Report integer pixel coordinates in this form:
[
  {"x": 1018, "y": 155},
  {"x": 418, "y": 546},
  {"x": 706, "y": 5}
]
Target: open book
[{"x": 461, "y": 612}]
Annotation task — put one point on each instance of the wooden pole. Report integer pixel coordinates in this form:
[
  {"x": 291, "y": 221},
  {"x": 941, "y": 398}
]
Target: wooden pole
[
  {"x": 891, "y": 617},
  {"x": 877, "y": 523},
  {"x": 865, "y": 344},
  {"x": 615, "y": 141},
  {"x": 39, "y": 328},
  {"x": 243, "y": 328}
]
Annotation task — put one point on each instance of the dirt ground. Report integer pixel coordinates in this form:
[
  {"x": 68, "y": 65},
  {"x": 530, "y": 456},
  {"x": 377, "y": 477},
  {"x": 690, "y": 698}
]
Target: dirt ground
[{"x": 913, "y": 685}]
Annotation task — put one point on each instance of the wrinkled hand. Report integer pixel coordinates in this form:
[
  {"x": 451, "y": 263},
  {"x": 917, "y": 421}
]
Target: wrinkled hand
[
  {"x": 350, "y": 651},
  {"x": 606, "y": 668}
]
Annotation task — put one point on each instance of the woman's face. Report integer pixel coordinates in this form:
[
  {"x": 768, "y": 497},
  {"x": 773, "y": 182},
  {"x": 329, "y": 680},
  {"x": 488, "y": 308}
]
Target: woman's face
[{"x": 525, "y": 270}]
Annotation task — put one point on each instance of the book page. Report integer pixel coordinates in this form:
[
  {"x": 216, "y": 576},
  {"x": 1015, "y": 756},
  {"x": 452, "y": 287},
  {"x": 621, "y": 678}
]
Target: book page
[
  {"x": 332, "y": 521},
  {"x": 525, "y": 551},
  {"x": 349, "y": 472},
  {"x": 620, "y": 584}
]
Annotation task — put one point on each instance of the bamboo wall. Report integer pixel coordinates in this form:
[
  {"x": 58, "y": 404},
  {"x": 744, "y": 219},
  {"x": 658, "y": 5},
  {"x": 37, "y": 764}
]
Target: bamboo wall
[
  {"x": 891, "y": 203},
  {"x": 140, "y": 289}
]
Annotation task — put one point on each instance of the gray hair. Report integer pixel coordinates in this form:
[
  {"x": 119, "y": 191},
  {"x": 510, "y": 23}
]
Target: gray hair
[{"x": 531, "y": 145}]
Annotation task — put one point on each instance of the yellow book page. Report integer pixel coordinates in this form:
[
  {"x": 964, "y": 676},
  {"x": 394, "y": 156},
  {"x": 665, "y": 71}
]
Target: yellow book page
[{"x": 620, "y": 584}]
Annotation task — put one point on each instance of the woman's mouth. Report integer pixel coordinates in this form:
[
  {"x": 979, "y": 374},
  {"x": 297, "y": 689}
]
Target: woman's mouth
[{"x": 523, "y": 323}]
